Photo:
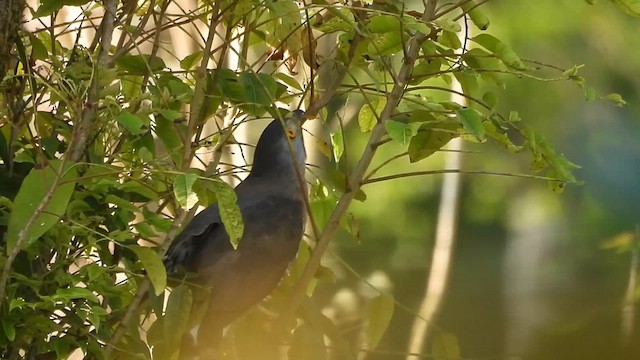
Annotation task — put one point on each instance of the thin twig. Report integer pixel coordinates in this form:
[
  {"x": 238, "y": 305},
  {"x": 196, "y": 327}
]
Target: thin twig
[
  {"x": 450, "y": 171},
  {"x": 83, "y": 130}
]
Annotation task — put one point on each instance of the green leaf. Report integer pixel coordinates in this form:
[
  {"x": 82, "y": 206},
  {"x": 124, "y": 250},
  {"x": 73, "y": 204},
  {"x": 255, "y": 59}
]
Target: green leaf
[
  {"x": 75, "y": 293},
  {"x": 369, "y": 113},
  {"x": 472, "y": 122},
  {"x": 191, "y": 61},
  {"x": 183, "y": 190},
  {"x": 489, "y": 67},
  {"x": 379, "y": 314},
  {"x": 288, "y": 80},
  {"x": 631, "y": 7},
  {"x": 48, "y": 7},
  {"x": 132, "y": 123},
  {"x": 341, "y": 19},
  {"x": 32, "y": 191},
  {"x": 260, "y": 92},
  {"x": 229, "y": 211},
  {"x": 121, "y": 203},
  {"x": 9, "y": 330},
  {"x": 322, "y": 206},
  {"x": 450, "y": 40},
  {"x": 139, "y": 64},
  {"x": 448, "y": 25},
  {"x": 401, "y": 132},
  {"x": 501, "y": 50},
  {"x": 177, "y": 317},
  {"x": 478, "y": 17},
  {"x": 153, "y": 266},
  {"x": 445, "y": 347},
  {"x": 430, "y": 138},
  {"x": 383, "y": 24},
  {"x": 616, "y": 98},
  {"x": 386, "y": 43},
  {"x": 38, "y": 50},
  {"x": 166, "y": 131},
  {"x": 337, "y": 144}
]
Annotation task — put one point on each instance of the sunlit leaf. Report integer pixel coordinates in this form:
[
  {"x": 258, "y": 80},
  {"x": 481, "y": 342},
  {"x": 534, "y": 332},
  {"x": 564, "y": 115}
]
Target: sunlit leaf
[
  {"x": 32, "y": 191},
  {"x": 430, "y": 138},
  {"x": 183, "y": 190},
  {"x": 622, "y": 242},
  {"x": 448, "y": 25},
  {"x": 337, "y": 144},
  {"x": 259, "y": 92},
  {"x": 445, "y": 347},
  {"x": 139, "y": 64},
  {"x": 616, "y": 98},
  {"x": 229, "y": 211},
  {"x": 401, "y": 132},
  {"x": 131, "y": 122},
  {"x": 48, "y": 7},
  {"x": 153, "y": 266},
  {"x": 379, "y": 314},
  {"x": 288, "y": 80},
  {"x": 383, "y": 24},
  {"x": 340, "y": 19},
  {"x": 322, "y": 205},
  {"x": 472, "y": 122},
  {"x": 500, "y": 49},
  {"x": 476, "y": 14},
  {"x": 385, "y": 43},
  {"x": 631, "y": 7},
  {"x": 176, "y": 320},
  {"x": 450, "y": 40},
  {"x": 75, "y": 293},
  {"x": 121, "y": 203},
  {"x": 191, "y": 61},
  {"x": 369, "y": 113}
]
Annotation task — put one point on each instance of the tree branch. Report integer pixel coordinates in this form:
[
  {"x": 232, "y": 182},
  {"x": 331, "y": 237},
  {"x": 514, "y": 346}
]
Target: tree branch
[
  {"x": 358, "y": 173},
  {"x": 83, "y": 130}
]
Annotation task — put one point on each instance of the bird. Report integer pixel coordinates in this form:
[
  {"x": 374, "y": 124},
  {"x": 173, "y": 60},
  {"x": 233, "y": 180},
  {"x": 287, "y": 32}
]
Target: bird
[{"x": 272, "y": 203}]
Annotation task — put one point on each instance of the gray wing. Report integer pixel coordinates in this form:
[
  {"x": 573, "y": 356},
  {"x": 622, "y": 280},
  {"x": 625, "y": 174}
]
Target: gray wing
[{"x": 205, "y": 230}]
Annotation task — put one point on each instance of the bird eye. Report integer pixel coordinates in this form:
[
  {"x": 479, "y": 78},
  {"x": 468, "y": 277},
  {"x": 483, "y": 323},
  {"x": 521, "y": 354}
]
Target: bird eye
[{"x": 291, "y": 134}]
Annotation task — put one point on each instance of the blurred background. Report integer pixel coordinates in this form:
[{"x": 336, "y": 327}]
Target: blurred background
[{"x": 536, "y": 275}]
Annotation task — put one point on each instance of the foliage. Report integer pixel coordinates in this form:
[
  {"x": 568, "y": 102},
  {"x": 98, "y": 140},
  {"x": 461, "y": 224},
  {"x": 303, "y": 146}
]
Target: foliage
[{"x": 99, "y": 146}]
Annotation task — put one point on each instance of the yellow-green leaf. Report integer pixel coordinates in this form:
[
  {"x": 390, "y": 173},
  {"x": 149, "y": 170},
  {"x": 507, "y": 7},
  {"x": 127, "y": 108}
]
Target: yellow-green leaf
[
  {"x": 616, "y": 98},
  {"x": 472, "y": 122},
  {"x": 445, "y": 347},
  {"x": 337, "y": 144},
  {"x": 478, "y": 17},
  {"x": 176, "y": 319},
  {"x": 183, "y": 190},
  {"x": 153, "y": 266},
  {"x": 32, "y": 191},
  {"x": 368, "y": 116},
  {"x": 229, "y": 211},
  {"x": 379, "y": 314},
  {"x": 501, "y": 50}
]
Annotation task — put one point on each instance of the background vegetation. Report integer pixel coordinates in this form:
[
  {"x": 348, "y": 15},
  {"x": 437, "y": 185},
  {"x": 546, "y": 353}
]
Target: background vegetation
[{"x": 118, "y": 119}]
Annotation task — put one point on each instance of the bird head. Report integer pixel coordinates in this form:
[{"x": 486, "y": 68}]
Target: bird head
[{"x": 281, "y": 147}]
